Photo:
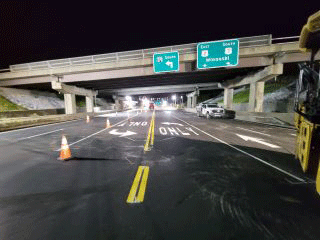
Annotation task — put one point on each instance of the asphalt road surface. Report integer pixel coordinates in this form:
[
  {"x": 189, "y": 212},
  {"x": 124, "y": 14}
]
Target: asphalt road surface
[{"x": 161, "y": 175}]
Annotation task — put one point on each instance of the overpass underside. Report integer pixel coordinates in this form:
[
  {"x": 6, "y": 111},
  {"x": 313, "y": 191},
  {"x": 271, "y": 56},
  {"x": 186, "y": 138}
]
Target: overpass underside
[
  {"x": 106, "y": 85},
  {"x": 117, "y": 73},
  {"x": 194, "y": 82}
]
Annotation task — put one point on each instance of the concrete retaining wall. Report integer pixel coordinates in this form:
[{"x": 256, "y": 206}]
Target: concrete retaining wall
[
  {"x": 14, "y": 123},
  {"x": 280, "y": 119},
  {"x": 12, "y": 114},
  {"x": 279, "y": 106},
  {"x": 22, "y": 122},
  {"x": 287, "y": 118}
]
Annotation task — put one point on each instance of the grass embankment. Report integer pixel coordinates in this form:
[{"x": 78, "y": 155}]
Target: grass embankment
[
  {"x": 243, "y": 97},
  {"x": 6, "y": 105}
]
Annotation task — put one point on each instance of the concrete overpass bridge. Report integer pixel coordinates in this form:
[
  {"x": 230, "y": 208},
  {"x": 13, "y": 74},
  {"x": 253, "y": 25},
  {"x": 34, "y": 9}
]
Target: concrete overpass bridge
[{"x": 132, "y": 71}]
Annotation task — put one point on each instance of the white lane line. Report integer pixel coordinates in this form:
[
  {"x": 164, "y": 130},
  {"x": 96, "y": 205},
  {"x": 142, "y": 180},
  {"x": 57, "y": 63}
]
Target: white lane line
[
  {"x": 293, "y": 134},
  {"x": 44, "y": 125},
  {"x": 93, "y": 134},
  {"x": 254, "y": 131},
  {"x": 19, "y": 139},
  {"x": 256, "y": 158}
]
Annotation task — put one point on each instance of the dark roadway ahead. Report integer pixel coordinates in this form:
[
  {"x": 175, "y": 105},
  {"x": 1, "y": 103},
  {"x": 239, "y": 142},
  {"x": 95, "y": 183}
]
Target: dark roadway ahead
[{"x": 202, "y": 179}]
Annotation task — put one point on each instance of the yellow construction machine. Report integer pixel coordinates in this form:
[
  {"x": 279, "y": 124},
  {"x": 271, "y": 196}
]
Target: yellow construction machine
[{"x": 307, "y": 102}]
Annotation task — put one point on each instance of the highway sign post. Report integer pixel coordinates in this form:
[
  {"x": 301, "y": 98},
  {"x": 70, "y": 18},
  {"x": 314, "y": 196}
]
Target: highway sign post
[
  {"x": 218, "y": 54},
  {"x": 166, "y": 62}
]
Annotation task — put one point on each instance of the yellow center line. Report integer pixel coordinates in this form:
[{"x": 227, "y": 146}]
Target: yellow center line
[
  {"x": 143, "y": 185},
  {"x": 139, "y": 185},
  {"x": 152, "y": 131},
  {"x": 146, "y": 145},
  {"x": 138, "y": 188},
  {"x": 133, "y": 190},
  {"x": 152, "y": 135},
  {"x": 150, "y": 138}
]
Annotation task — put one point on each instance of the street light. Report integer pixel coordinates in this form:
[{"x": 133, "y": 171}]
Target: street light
[{"x": 174, "y": 97}]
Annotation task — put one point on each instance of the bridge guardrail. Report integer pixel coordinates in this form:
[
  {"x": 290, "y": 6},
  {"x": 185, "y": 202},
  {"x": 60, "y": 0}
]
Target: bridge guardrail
[{"x": 244, "y": 42}]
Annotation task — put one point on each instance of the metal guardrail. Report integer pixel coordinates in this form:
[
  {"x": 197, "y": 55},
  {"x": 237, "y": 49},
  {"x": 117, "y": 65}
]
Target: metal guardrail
[
  {"x": 130, "y": 55},
  {"x": 285, "y": 38}
]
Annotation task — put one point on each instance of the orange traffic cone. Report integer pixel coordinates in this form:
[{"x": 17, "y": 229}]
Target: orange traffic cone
[
  {"x": 108, "y": 123},
  {"x": 65, "y": 153},
  {"x": 88, "y": 119}
]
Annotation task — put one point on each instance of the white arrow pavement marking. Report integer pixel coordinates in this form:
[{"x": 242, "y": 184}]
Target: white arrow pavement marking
[
  {"x": 244, "y": 152},
  {"x": 123, "y": 134},
  {"x": 169, "y": 64},
  {"x": 258, "y": 140},
  {"x": 254, "y": 131},
  {"x": 167, "y": 123}
]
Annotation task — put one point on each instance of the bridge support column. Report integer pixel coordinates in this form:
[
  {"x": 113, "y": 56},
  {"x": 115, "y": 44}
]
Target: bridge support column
[
  {"x": 252, "y": 97},
  {"x": 228, "y": 98},
  {"x": 70, "y": 103},
  {"x": 70, "y": 93},
  {"x": 118, "y": 102},
  {"x": 256, "y": 97},
  {"x": 259, "y": 96},
  {"x": 89, "y": 104},
  {"x": 194, "y": 101},
  {"x": 189, "y": 100}
]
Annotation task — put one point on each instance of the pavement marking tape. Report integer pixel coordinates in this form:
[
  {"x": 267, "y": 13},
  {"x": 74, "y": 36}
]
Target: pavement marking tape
[
  {"x": 244, "y": 152},
  {"x": 139, "y": 185}
]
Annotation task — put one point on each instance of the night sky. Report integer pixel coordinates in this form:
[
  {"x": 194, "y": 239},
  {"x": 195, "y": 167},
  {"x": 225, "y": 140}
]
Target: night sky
[{"x": 34, "y": 31}]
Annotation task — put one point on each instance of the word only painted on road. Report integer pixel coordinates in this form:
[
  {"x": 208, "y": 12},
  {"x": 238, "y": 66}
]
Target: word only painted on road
[
  {"x": 177, "y": 131},
  {"x": 136, "y": 124}
]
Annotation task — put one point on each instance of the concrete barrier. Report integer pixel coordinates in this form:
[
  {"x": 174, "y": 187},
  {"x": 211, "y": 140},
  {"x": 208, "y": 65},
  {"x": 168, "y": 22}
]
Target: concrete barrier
[
  {"x": 27, "y": 113},
  {"x": 14, "y": 123},
  {"x": 273, "y": 118},
  {"x": 7, "y": 124}
]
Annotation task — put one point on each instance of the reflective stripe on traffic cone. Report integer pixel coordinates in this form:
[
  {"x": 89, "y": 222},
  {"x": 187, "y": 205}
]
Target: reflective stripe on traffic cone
[
  {"x": 65, "y": 152},
  {"x": 108, "y": 123}
]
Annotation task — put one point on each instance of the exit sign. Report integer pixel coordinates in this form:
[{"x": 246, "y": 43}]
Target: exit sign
[{"x": 218, "y": 54}]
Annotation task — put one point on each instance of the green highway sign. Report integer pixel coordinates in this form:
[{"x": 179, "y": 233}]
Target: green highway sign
[
  {"x": 218, "y": 54},
  {"x": 166, "y": 62}
]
